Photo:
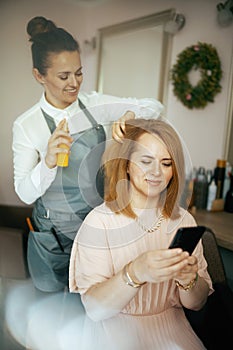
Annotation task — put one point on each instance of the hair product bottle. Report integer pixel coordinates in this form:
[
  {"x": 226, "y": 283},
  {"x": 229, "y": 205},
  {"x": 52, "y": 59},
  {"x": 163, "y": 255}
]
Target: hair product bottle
[
  {"x": 200, "y": 189},
  {"x": 63, "y": 158},
  {"x": 212, "y": 190},
  {"x": 219, "y": 176},
  {"x": 229, "y": 197},
  {"x": 227, "y": 181}
]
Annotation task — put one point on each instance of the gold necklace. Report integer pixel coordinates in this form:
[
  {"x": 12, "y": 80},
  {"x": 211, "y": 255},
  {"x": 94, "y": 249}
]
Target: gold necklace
[{"x": 154, "y": 227}]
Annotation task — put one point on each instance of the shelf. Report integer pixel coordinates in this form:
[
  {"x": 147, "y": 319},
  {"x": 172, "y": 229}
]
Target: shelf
[{"x": 220, "y": 222}]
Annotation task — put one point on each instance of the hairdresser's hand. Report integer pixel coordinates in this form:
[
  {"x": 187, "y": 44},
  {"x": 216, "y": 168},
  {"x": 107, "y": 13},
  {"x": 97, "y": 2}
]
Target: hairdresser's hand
[
  {"x": 58, "y": 136},
  {"x": 189, "y": 272},
  {"x": 159, "y": 265},
  {"x": 118, "y": 128}
]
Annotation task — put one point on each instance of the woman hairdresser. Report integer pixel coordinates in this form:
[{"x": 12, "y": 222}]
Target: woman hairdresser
[{"x": 62, "y": 196}]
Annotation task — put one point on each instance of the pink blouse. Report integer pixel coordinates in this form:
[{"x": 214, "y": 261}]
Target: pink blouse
[{"x": 154, "y": 318}]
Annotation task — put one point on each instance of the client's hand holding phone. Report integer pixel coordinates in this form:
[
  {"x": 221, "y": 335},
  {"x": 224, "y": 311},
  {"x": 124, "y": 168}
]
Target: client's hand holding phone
[{"x": 187, "y": 238}]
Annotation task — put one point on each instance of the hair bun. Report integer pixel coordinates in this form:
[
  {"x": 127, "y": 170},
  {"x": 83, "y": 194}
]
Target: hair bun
[{"x": 38, "y": 25}]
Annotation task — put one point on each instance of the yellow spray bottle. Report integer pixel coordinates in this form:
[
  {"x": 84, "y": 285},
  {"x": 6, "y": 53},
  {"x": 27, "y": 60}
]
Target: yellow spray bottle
[{"x": 63, "y": 158}]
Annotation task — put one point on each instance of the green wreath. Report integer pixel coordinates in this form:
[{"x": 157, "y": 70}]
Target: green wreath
[{"x": 204, "y": 57}]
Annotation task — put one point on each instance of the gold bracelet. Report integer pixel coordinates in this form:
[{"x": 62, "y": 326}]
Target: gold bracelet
[
  {"x": 188, "y": 286},
  {"x": 128, "y": 279}
]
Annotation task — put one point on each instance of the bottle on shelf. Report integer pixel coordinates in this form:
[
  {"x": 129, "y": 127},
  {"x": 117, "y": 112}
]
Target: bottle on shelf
[
  {"x": 227, "y": 180},
  {"x": 219, "y": 177},
  {"x": 228, "y": 206},
  {"x": 200, "y": 189},
  {"x": 212, "y": 191}
]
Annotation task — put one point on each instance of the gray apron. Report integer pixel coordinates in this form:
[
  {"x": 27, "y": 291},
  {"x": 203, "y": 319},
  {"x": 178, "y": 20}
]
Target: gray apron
[{"x": 58, "y": 214}]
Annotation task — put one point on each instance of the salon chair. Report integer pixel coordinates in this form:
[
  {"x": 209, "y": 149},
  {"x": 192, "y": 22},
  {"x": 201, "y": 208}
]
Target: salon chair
[{"x": 213, "y": 324}]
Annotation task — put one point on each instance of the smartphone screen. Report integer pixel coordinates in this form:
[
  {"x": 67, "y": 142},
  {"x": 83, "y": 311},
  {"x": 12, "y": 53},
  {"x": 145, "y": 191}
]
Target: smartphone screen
[{"x": 187, "y": 238}]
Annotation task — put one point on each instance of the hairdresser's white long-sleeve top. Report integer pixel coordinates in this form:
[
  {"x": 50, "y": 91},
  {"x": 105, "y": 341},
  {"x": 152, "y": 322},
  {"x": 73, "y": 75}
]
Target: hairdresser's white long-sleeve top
[{"x": 31, "y": 134}]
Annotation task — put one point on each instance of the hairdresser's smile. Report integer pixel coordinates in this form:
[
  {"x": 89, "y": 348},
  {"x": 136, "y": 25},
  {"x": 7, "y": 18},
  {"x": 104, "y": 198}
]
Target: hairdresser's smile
[{"x": 72, "y": 92}]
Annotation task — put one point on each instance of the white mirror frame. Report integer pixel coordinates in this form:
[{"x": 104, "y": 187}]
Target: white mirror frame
[
  {"x": 228, "y": 154},
  {"x": 151, "y": 21}
]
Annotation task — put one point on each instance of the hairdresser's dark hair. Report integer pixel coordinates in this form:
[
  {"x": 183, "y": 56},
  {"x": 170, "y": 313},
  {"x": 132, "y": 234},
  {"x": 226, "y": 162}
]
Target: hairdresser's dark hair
[{"x": 46, "y": 39}]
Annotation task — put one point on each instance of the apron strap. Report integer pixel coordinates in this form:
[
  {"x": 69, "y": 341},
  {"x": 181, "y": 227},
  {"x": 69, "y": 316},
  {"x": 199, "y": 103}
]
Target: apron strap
[
  {"x": 87, "y": 113},
  {"x": 50, "y": 121},
  {"x": 92, "y": 121}
]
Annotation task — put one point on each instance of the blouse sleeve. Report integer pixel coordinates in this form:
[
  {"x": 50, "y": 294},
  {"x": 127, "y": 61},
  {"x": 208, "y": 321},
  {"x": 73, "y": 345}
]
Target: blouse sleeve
[
  {"x": 143, "y": 108},
  {"x": 31, "y": 175},
  {"x": 202, "y": 266},
  {"x": 107, "y": 108},
  {"x": 90, "y": 261}
]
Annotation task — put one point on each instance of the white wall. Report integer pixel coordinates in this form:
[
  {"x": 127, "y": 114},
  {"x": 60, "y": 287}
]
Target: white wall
[{"x": 204, "y": 131}]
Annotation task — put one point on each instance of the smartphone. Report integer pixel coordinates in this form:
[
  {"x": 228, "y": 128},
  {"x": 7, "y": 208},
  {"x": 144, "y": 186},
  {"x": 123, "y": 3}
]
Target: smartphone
[{"x": 187, "y": 238}]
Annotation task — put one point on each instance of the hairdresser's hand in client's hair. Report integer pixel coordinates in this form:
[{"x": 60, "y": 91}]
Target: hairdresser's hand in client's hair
[{"x": 118, "y": 128}]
